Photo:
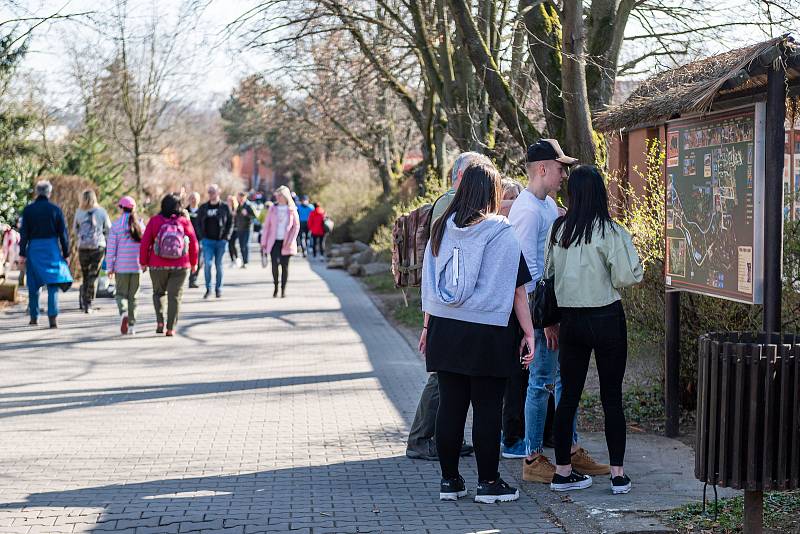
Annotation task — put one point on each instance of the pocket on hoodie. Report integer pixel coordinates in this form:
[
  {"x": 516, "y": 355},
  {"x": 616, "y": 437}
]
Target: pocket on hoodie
[{"x": 451, "y": 279}]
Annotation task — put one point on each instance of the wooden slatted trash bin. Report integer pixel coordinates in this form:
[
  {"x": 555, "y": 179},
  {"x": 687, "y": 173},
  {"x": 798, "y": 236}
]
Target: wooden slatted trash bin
[{"x": 748, "y": 411}]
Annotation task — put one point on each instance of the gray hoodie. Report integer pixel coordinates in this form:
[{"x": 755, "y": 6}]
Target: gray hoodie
[{"x": 474, "y": 276}]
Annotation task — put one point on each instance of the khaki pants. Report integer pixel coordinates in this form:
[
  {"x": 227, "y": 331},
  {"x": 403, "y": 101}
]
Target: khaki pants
[
  {"x": 168, "y": 282},
  {"x": 127, "y": 289}
]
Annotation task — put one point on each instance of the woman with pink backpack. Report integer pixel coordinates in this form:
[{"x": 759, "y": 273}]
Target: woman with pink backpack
[{"x": 169, "y": 250}]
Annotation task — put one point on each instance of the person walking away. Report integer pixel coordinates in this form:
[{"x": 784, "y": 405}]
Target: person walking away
[
  {"x": 193, "y": 211},
  {"x": 215, "y": 223},
  {"x": 316, "y": 225},
  {"x": 304, "y": 210},
  {"x": 44, "y": 252},
  {"x": 92, "y": 225},
  {"x": 122, "y": 262},
  {"x": 592, "y": 258},
  {"x": 421, "y": 444},
  {"x": 532, "y": 214},
  {"x": 474, "y": 300},
  {"x": 279, "y": 238},
  {"x": 234, "y": 236},
  {"x": 244, "y": 222},
  {"x": 513, "y": 434},
  {"x": 169, "y": 251},
  {"x": 11, "y": 246}
]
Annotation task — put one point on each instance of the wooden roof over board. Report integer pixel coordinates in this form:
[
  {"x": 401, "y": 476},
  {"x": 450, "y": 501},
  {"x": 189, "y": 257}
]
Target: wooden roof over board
[{"x": 694, "y": 87}]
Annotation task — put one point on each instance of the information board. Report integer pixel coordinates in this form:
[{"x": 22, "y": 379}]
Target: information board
[{"x": 714, "y": 204}]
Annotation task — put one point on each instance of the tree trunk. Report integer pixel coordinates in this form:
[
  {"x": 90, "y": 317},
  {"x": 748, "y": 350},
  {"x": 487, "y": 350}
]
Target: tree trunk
[
  {"x": 500, "y": 94},
  {"x": 137, "y": 166},
  {"x": 580, "y": 140}
]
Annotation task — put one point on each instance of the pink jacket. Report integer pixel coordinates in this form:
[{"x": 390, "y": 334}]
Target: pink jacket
[
  {"x": 122, "y": 254},
  {"x": 269, "y": 231}
]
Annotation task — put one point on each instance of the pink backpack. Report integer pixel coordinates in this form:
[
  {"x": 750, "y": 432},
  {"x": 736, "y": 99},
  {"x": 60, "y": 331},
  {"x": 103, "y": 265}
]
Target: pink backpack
[{"x": 171, "y": 242}]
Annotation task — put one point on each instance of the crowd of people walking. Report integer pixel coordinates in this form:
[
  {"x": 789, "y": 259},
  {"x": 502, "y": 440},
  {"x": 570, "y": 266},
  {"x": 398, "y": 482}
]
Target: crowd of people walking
[
  {"x": 172, "y": 246},
  {"x": 494, "y": 249}
]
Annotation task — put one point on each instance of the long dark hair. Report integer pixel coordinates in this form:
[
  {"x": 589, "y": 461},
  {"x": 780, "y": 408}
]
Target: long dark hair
[
  {"x": 133, "y": 225},
  {"x": 588, "y": 206},
  {"x": 477, "y": 196},
  {"x": 171, "y": 205}
]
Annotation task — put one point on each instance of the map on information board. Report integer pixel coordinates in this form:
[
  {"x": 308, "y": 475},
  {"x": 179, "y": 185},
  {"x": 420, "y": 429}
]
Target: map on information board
[{"x": 713, "y": 202}]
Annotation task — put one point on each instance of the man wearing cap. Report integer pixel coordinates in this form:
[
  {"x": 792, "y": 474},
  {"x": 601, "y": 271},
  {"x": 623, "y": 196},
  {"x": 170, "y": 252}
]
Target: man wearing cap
[
  {"x": 532, "y": 215},
  {"x": 421, "y": 444}
]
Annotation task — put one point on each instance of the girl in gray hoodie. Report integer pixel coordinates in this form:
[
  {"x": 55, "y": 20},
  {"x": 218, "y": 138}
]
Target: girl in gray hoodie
[{"x": 473, "y": 278}]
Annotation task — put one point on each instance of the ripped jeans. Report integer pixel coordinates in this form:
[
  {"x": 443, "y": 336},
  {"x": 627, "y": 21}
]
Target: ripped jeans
[{"x": 544, "y": 380}]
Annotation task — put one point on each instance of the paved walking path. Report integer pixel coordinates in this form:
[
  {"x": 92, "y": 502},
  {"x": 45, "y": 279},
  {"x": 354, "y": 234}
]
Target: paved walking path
[{"x": 263, "y": 415}]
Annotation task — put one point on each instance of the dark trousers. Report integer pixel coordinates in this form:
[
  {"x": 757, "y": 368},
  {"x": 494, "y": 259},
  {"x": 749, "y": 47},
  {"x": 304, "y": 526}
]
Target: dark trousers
[
  {"x": 244, "y": 245},
  {"x": 604, "y": 331},
  {"x": 514, "y": 408},
  {"x": 193, "y": 275},
  {"x": 316, "y": 243},
  {"x": 279, "y": 259},
  {"x": 423, "y": 429},
  {"x": 456, "y": 393},
  {"x": 303, "y": 237},
  {"x": 232, "y": 245},
  {"x": 90, "y": 260}
]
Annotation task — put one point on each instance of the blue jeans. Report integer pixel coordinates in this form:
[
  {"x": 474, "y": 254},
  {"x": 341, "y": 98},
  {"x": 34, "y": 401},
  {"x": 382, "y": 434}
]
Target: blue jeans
[
  {"x": 213, "y": 251},
  {"x": 33, "y": 299},
  {"x": 544, "y": 380}
]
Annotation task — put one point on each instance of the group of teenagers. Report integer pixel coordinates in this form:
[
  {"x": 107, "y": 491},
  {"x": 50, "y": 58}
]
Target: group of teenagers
[
  {"x": 491, "y": 242},
  {"x": 170, "y": 246}
]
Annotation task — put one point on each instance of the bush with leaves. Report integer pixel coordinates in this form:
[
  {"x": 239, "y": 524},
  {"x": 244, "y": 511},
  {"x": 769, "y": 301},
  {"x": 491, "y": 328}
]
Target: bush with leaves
[
  {"x": 16, "y": 180},
  {"x": 643, "y": 213}
]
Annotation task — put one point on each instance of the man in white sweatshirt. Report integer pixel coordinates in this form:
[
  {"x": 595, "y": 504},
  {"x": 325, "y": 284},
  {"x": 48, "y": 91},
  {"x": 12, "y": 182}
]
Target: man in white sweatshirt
[{"x": 531, "y": 216}]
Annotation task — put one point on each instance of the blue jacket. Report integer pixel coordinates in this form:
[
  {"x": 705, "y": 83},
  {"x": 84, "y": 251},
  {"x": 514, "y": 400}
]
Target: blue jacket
[
  {"x": 41, "y": 219},
  {"x": 304, "y": 211}
]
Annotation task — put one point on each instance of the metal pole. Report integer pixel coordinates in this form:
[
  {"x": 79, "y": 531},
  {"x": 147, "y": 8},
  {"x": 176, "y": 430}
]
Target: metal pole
[{"x": 672, "y": 361}]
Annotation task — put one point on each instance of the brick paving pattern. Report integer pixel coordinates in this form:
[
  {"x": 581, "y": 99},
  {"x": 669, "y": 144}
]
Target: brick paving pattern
[{"x": 263, "y": 415}]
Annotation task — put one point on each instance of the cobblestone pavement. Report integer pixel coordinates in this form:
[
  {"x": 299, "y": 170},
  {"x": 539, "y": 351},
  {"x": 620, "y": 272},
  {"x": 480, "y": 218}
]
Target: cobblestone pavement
[{"x": 263, "y": 415}]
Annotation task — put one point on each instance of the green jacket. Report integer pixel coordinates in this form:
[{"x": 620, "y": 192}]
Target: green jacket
[
  {"x": 589, "y": 275},
  {"x": 441, "y": 204}
]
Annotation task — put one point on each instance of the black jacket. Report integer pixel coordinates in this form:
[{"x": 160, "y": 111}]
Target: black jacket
[
  {"x": 224, "y": 217},
  {"x": 42, "y": 219}
]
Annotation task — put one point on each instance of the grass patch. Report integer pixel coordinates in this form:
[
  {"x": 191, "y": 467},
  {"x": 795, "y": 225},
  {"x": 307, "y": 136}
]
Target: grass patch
[
  {"x": 411, "y": 315},
  {"x": 644, "y": 407},
  {"x": 781, "y": 514},
  {"x": 380, "y": 283}
]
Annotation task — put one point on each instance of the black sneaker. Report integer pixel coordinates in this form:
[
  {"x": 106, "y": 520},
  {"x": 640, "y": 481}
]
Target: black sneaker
[
  {"x": 466, "y": 449},
  {"x": 452, "y": 488},
  {"x": 207, "y": 294},
  {"x": 492, "y": 492},
  {"x": 620, "y": 485},
  {"x": 574, "y": 481},
  {"x": 219, "y": 293}
]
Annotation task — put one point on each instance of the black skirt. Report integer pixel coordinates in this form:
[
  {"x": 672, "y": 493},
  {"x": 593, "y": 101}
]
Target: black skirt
[{"x": 476, "y": 349}]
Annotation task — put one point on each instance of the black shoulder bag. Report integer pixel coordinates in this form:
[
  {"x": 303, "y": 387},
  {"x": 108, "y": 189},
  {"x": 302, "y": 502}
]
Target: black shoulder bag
[{"x": 544, "y": 310}]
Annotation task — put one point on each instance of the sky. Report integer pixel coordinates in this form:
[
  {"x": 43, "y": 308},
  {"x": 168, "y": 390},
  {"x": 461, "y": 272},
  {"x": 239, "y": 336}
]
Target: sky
[{"x": 214, "y": 76}]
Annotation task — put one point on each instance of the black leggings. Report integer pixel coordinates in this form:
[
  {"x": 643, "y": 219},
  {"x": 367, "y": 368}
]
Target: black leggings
[
  {"x": 234, "y": 254},
  {"x": 583, "y": 330},
  {"x": 456, "y": 392},
  {"x": 283, "y": 261}
]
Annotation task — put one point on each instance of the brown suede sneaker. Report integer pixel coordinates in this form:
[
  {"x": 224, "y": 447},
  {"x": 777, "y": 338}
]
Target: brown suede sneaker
[
  {"x": 583, "y": 463},
  {"x": 538, "y": 470}
]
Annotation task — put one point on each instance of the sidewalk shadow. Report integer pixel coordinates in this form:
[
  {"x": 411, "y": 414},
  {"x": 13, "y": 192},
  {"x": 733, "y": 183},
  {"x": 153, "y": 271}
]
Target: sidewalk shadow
[
  {"x": 362, "y": 496},
  {"x": 57, "y": 401}
]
